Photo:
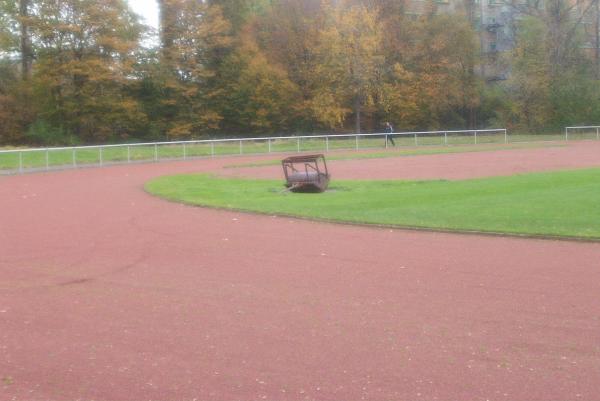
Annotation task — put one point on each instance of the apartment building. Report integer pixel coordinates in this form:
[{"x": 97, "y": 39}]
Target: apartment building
[{"x": 495, "y": 22}]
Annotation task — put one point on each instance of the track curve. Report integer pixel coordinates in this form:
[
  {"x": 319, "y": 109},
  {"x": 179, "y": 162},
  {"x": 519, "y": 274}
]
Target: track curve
[{"x": 107, "y": 293}]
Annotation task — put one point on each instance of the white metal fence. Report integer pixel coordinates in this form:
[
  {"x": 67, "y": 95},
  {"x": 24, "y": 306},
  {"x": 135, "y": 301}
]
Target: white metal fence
[{"x": 39, "y": 159}]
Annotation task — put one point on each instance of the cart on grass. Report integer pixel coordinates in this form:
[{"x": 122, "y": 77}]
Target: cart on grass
[{"x": 307, "y": 173}]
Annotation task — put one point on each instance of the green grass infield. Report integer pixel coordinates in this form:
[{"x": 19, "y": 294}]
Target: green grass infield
[{"x": 554, "y": 204}]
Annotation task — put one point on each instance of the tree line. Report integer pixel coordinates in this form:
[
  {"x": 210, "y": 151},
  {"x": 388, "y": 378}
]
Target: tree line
[{"x": 88, "y": 71}]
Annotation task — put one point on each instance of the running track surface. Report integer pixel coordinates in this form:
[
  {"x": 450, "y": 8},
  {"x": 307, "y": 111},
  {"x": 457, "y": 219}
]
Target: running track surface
[{"x": 107, "y": 293}]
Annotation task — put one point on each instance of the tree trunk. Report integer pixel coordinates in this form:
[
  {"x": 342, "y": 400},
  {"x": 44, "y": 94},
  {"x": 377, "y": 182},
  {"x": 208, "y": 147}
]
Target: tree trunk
[
  {"x": 597, "y": 41},
  {"x": 357, "y": 111},
  {"x": 167, "y": 20},
  {"x": 26, "y": 52}
]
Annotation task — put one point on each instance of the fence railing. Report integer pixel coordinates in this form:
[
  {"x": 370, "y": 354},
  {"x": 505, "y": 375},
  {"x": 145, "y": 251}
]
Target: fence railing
[
  {"x": 587, "y": 131},
  {"x": 39, "y": 159}
]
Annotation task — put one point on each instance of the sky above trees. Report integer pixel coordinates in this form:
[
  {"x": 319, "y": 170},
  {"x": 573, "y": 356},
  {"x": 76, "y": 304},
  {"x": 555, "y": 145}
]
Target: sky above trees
[{"x": 148, "y": 9}]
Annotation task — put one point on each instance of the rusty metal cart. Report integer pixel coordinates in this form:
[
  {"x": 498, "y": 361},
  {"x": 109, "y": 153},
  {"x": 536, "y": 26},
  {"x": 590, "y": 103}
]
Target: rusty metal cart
[{"x": 306, "y": 173}]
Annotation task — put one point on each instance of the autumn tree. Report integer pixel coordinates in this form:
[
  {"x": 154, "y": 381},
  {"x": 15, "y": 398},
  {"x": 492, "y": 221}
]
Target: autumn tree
[
  {"x": 74, "y": 70},
  {"x": 8, "y": 26},
  {"x": 288, "y": 36},
  {"x": 16, "y": 56},
  {"x": 84, "y": 59},
  {"x": 15, "y": 111},
  {"x": 196, "y": 32},
  {"x": 443, "y": 58},
  {"x": 531, "y": 79},
  {"x": 25, "y": 39},
  {"x": 431, "y": 82},
  {"x": 256, "y": 94},
  {"x": 238, "y": 12},
  {"x": 550, "y": 87},
  {"x": 350, "y": 60},
  {"x": 167, "y": 11}
]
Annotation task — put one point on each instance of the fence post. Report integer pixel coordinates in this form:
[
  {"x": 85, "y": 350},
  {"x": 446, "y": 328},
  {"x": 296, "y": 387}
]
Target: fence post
[
  {"x": 100, "y": 155},
  {"x": 445, "y": 138},
  {"x": 327, "y": 144},
  {"x": 20, "y": 162},
  {"x": 505, "y": 136},
  {"x": 128, "y": 154},
  {"x": 269, "y": 140},
  {"x": 184, "y": 152},
  {"x": 212, "y": 149},
  {"x": 386, "y": 141},
  {"x": 356, "y": 141},
  {"x": 47, "y": 159},
  {"x": 298, "y": 144},
  {"x": 155, "y": 152},
  {"x": 74, "y": 158},
  {"x": 416, "y": 140},
  {"x": 241, "y": 147},
  {"x": 566, "y": 134},
  {"x": 597, "y": 135},
  {"x": 475, "y": 134}
]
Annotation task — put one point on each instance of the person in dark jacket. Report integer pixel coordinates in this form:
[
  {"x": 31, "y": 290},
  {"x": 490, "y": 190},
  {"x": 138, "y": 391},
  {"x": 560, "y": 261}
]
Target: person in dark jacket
[{"x": 389, "y": 130}]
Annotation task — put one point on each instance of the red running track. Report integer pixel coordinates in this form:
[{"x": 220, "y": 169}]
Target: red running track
[{"x": 107, "y": 293}]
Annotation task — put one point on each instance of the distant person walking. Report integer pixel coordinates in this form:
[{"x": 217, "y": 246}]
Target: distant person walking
[{"x": 389, "y": 130}]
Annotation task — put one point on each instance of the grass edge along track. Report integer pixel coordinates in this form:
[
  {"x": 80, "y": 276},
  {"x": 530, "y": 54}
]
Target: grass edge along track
[
  {"x": 424, "y": 150},
  {"x": 562, "y": 204}
]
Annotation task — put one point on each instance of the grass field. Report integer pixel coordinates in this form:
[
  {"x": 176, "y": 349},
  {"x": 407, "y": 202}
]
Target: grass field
[{"x": 561, "y": 203}]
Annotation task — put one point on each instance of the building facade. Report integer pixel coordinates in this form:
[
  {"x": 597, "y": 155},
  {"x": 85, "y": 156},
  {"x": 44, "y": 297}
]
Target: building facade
[{"x": 496, "y": 22}]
